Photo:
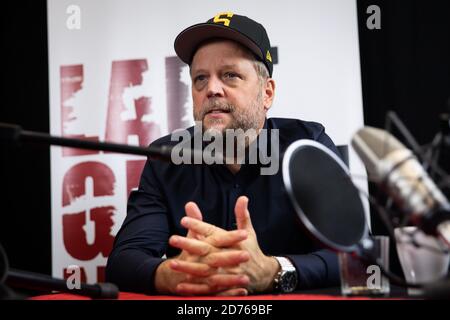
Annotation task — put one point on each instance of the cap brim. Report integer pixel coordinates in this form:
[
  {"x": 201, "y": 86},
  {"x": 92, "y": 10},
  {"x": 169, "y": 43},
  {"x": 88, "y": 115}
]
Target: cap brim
[{"x": 189, "y": 39}]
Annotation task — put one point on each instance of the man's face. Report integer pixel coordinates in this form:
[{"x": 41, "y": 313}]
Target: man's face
[{"x": 226, "y": 90}]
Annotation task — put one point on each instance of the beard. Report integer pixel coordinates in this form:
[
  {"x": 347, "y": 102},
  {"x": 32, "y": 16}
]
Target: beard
[{"x": 249, "y": 117}]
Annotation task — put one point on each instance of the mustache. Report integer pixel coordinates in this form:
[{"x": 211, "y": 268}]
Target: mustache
[{"x": 217, "y": 105}]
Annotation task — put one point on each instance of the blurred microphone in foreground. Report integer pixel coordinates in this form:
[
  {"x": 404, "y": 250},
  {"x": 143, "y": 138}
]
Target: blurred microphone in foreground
[{"x": 399, "y": 172}]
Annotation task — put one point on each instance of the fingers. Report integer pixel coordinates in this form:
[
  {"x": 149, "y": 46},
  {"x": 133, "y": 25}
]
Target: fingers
[
  {"x": 221, "y": 281},
  {"x": 192, "y": 289},
  {"x": 217, "y": 237},
  {"x": 242, "y": 214},
  {"x": 193, "y": 211},
  {"x": 227, "y": 239},
  {"x": 188, "y": 290},
  {"x": 192, "y": 268},
  {"x": 200, "y": 227},
  {"x": 214, "y": 284},
  {"x": 223, "y": 258},
  {"x": 193, "y": 246},
  {"x": 233, "y": 292},
  {"x": 226, "y": 258}
]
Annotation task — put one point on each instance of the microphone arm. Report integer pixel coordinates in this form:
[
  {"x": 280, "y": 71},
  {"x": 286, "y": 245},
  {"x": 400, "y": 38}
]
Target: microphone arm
[
  {"x": 425, "y": 155},
  {"x": 392, "y": 117},
  {"x": 14, "y": 133}
]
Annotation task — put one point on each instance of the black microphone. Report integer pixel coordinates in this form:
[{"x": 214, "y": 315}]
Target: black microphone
[
  {"x": 184, "y": 150},
  {"x": 40, "y": 282},
  {"x": 398, "y": 171},
  {"x": 14, "y": 133}
]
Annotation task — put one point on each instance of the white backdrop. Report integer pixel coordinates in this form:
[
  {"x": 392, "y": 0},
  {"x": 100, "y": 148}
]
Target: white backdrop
[{"x": 113, "y": 76}]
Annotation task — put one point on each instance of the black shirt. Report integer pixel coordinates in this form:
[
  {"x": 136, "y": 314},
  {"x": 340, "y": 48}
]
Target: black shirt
[{"x": 156, "y": 208}]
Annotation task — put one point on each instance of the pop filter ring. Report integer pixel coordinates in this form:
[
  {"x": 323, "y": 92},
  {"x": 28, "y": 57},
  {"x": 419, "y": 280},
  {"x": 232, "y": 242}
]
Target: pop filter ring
[{"x": 309, "y": 226}]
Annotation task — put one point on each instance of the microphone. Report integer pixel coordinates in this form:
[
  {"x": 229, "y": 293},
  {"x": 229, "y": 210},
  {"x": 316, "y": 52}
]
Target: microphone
[
  {"x": 399, "y": 172},
  {"x": 40, "y": 282},
  {"x": 175, "y": 151},
  {"x": 14, "y": 133}
]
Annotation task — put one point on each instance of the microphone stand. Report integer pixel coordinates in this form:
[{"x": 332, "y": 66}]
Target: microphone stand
[
  {"x": 34, "y": 281},
  {"x": 439, "y": 150},
  {"x": 440, "y": 141}
]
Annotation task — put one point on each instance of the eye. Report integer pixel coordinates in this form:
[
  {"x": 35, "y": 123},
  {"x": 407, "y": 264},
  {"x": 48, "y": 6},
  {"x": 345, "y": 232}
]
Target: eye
[
  {"x": 231, "y": 75},
  {"x": 200, "y": 78}
]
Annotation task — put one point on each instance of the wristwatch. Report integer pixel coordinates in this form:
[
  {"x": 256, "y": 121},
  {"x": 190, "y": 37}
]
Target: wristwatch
[{"x": 286, "y": 279}]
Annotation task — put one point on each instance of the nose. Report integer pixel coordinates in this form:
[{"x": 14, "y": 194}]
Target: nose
[{"x": 214, "y": 88}]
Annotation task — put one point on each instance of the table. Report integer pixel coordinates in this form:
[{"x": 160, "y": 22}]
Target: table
[{"x": 315, "y": 294}]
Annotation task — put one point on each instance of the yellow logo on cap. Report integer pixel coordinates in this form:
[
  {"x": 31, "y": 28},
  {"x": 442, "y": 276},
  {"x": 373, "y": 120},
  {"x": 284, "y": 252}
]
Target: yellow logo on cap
[
  {"x": 219, "y": 19},
  {"x": 268, "y": 56}
]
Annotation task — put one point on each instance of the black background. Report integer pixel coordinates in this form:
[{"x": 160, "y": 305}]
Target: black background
[{"x": 405, "y": 66}]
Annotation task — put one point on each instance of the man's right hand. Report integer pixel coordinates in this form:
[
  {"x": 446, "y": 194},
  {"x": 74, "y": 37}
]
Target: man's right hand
[{"x": 190, "y": 273}]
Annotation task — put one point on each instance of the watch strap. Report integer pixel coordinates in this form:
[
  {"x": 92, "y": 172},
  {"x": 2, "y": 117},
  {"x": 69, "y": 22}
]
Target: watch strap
[{"x": 286, "y": 266}]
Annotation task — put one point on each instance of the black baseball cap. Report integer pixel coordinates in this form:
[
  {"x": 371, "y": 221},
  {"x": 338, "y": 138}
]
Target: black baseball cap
[{"x": 227, "y": 25}]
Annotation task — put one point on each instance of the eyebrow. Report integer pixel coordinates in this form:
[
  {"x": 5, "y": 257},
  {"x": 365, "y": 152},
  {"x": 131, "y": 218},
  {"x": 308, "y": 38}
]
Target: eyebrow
[
  {"x": 192, "y": 72},
  {"x": 227, "y": 66}
]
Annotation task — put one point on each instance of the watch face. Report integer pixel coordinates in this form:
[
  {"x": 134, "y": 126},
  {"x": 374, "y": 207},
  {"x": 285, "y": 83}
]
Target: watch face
[{"x": 288, "y": 282}]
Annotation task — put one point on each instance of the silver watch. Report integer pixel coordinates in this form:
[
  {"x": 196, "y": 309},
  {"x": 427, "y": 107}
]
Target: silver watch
[{"x": 286, "y": 279}]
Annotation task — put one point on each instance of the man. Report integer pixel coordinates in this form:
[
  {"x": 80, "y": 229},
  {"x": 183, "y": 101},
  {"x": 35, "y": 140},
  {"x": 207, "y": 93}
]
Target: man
[{"x": 226, "y": 228}]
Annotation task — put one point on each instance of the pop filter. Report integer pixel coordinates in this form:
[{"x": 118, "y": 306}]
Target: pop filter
[{"x": 325, "y": 199}]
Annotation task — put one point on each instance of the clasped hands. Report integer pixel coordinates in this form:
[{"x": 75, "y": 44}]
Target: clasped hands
[{"x": 214, "y": 261}]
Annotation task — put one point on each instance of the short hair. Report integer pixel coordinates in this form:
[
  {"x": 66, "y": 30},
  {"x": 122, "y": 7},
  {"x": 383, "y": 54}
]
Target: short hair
[{"x": 261, "y": 70}]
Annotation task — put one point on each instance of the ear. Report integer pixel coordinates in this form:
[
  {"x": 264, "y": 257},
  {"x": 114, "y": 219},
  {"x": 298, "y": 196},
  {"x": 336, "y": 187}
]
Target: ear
[{"x": 268, "y": 93}]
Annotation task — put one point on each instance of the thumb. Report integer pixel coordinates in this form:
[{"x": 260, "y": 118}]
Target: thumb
[{"x": 242, "y": 214}]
